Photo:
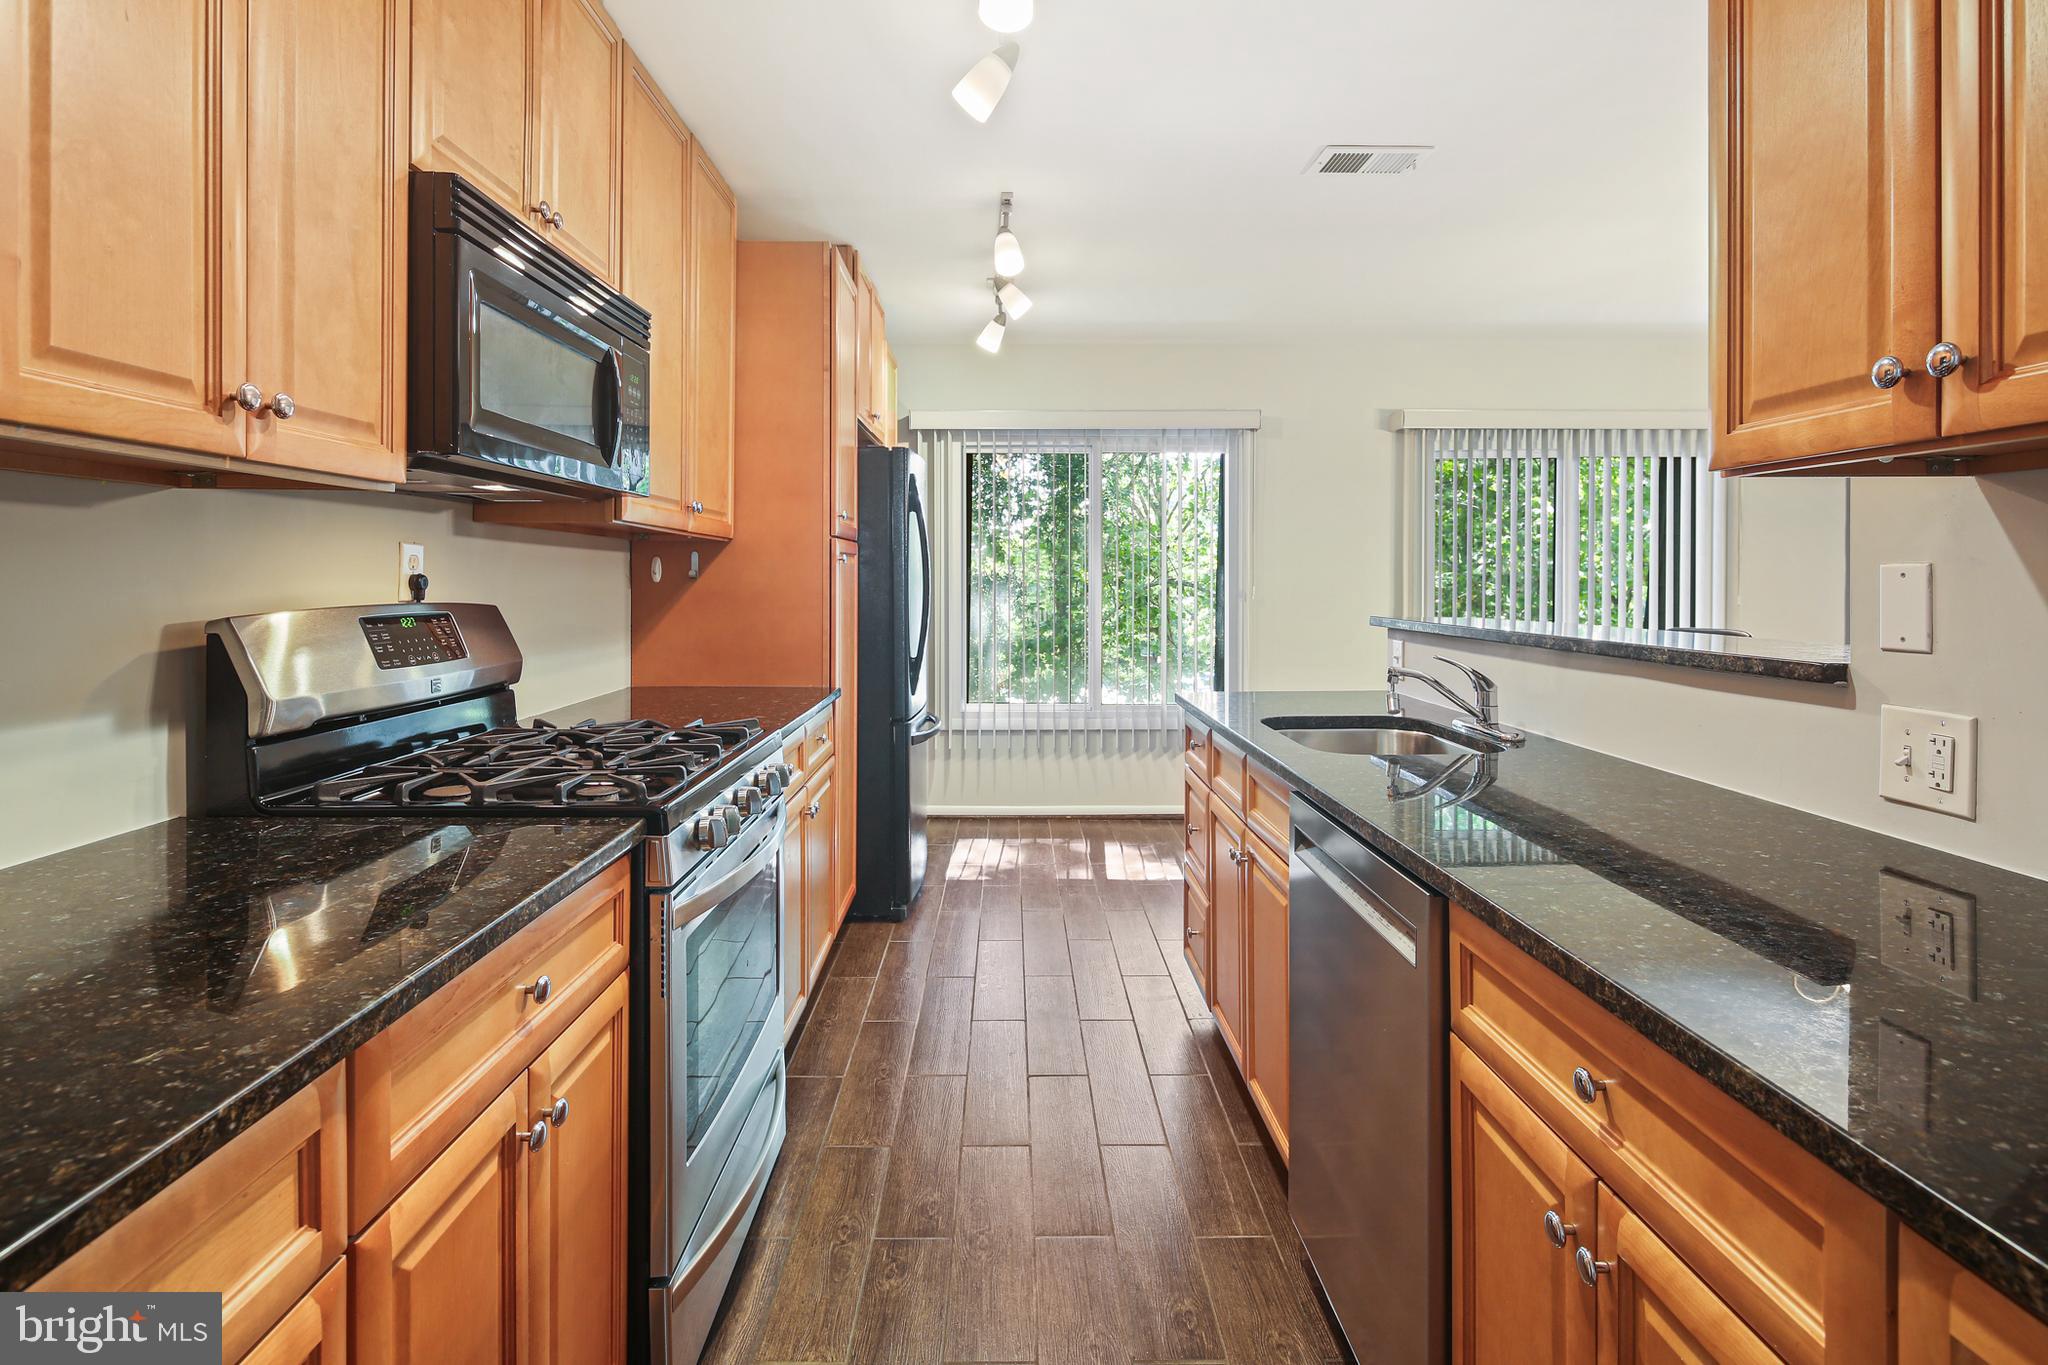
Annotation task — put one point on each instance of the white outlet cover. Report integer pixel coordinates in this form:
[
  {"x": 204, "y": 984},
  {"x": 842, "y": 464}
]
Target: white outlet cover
[
  {"x": 412, "y": 559},
  {"x": 1905, "y": 608},
  {"x": 1902, "y": 729}
]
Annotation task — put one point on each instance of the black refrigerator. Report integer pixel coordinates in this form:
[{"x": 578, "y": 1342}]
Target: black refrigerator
[{"x": 895, "y": 716}]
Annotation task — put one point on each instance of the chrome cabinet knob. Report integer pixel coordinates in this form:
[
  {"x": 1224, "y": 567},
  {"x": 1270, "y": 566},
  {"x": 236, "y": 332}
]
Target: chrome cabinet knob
[
  {"x": 247, "y": 397},
  {"x": 555, "y": 218},
  {"x": 1944, "y": 360},
  {"x": 559, "y": 1115},
  {"x": 284, "y": 406},
  {"x": 1585, "y": 1087},
  {"x": 540, "y": 990},
  {"x": 1887, "y": 372},
  {"x": 811, "y": 811},
  {"x": 846, "y": 516},
  {"x": 535, "y": 1137},
  {"x": 545, "y": 212},
  {"x": 1194, "y": 831},
  {"x": 1557, "y": 1230},
  {"x": 1591, "y": 1270}
]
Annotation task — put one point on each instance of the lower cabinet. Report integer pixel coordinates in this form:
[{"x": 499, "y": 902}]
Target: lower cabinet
[
  {"x": 1652, "y": 1306},
  {"x": 821, "y": 911},
  {"x": 1265, "y": 932},
  {"x": 1946, "y": 1314},
  {"x": 315, "y": 1331},
  {"x": 817, "y": 848},
  {"x": 1226, "y": 920}
]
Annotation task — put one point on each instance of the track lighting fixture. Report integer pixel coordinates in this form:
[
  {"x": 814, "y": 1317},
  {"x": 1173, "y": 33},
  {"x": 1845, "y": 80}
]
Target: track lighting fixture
[
  {"x": 981, "y": 89},
  {"x": 1009, "y": 254},
  {"x": 1006, "y": 16},
  {"x": 991, "y": 338},
  {"x": 1015, "y": 301}
]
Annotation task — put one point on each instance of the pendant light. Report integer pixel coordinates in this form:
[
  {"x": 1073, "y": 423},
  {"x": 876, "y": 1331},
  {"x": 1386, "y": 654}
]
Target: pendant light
[
  {"x": 1016, "y": 303},
  {"x": 1006, "y": 16},
  {"x": 981, "y": 89},
  {"x": 991, "y": 338},
  {"x": 1009, "y": 253}
]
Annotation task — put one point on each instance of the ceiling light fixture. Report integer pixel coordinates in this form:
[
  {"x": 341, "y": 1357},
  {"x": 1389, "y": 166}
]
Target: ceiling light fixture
[
  {"x": 1015, "y": 301},
  {"x": 1006, "y": 16},
  {"x": 991, "y": 338},
  {"x": 981, "y": 89},
  {"x": 1009, "y": 253}
]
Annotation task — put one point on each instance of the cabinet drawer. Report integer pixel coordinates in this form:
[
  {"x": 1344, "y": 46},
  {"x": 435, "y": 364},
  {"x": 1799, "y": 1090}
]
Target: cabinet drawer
[
  {"x": 1787, "y": 1242},
  {"x": 818, "y": 740},
  {"x": 419, "y": 1083},
  {"x": 258, "y": 1221},
  {"x": 315, "y": 1331},
  {"x": 1194, "y": 842},
  {"x": 1195, "y": 745},
  {"x": 1265, "y": 808},
  {"x": 1226, "y": 773}
]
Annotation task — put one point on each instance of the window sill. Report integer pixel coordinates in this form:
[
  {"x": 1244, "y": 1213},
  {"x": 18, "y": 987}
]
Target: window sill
[{"x": 1677, "y": 648}]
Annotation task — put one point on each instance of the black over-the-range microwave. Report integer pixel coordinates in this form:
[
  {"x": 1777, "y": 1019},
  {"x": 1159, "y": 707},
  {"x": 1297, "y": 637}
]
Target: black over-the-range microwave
[{"x": 527, "y": 374}]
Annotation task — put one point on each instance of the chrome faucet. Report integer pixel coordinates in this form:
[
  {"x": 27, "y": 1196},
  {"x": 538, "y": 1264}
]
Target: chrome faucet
[{"x": 1481, "y": 714}]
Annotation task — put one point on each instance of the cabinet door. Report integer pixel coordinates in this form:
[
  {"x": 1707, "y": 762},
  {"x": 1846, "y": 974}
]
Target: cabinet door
[
  {"x": 819, "y": 871},
  {"x": 315, "y": 1331},
  {"x": 1653, "y": 1308},
  {"x": 576, "y": 127},
  {"x": 1515, "y": 1297},
  {"x": 796, "y": 980},
  {"x": 864, "y": 346},
  {"x": 714, "y": 267},
  {"x": 846, "y": 677},
  {"x": 443, "y": 1274},
  {"x": 1195, "y": 933},
  {"x": 847, "y": 330},
  {"x": 1823, "y": 161},
  {"x": 879, "y": 422},
  {"x": 1226, "y": 919},
  {"x": 654, "y": 236},
  {"x": 1948, "y": 1315},
  {"x": 326, "y": 237},
  {"x": 577, "y": 1184},
  {"x": 1265, "y": 914},
  {"x": 122, "y": 299},
  {"x": 1994, "y": 209},
  {"x": 470, "y": 63}
]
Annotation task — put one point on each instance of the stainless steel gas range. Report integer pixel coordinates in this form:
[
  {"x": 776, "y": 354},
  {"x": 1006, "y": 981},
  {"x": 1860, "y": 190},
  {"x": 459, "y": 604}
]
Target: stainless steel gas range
[{"x": 408, "y": 709}]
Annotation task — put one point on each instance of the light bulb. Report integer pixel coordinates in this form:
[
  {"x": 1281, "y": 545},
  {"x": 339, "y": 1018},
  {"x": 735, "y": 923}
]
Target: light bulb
[
  {"x": 1009, "y": 255},
  {"x": 1016, "y": 303},
  {"x": 981, "y": 89},
  {"x": 991, "y": 338},
  {"x": 1006, "y": 16}
]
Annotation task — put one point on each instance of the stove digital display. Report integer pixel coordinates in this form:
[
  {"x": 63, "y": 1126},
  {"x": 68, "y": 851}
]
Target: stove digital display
[{"x": 427, "y": 637}]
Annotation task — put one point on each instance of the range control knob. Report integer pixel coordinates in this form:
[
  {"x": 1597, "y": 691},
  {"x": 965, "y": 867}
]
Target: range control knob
[
  {"x": 748, "y": 799},
  {"x": 770, "y": 781},
  {"x": 709, "y": 831},
  {"x": 730, "y": 817}
]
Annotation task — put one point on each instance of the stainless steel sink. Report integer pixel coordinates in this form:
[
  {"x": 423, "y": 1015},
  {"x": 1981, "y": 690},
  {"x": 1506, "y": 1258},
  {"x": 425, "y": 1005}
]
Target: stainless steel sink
[{"x": 1372, "y": 735}]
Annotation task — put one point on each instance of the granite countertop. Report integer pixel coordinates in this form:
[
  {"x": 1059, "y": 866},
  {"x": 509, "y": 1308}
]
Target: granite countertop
[
  {"x": 163, "y": 989},
  {"x": 1680, "y": 648},
  {"x": 779, "y": 709},
  {"x": 1883, "y": 1004}
]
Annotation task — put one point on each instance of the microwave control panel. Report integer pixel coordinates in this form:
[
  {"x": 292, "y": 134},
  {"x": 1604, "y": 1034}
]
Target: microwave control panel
[{"x": 427, "y": 637}]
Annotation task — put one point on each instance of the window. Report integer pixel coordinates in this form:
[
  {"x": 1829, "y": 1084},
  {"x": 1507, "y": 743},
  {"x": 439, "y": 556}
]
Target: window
[
  {"x": 1071, "y": 606},
  {"x": 1568, "y": 526}
]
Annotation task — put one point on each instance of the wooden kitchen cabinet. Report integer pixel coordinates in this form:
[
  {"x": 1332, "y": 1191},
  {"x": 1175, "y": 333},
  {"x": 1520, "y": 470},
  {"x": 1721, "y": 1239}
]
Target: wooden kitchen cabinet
[
  {"x": 314, "y": 1332},
  {"x": 1266, "y": 969},
  {"x": 819, "y": 815},
  {"x": 472, "y": 95},
  {"x": 846, "y": 677},
  {"x": 654, "y": 249},
  {"x": 1653, "y": 1307},
  {"x": 796, "y": 979},
  {"x": 1226, "y": 925},
  {"x": 577, "y": 1188},
  {"x": 1516, "y": 1298},
  {"x": 714, "y": 247},
  {"x": 850, "y": 323},
  {"x": 1948, "y": 1315},
  {"x": 155, "y": 275},
  {"x": 579, "y": 67},
  {"x": 1876, "y": 193},
  {"x": 878, "y": 412},
  {"x": 1196, "y": 933}
]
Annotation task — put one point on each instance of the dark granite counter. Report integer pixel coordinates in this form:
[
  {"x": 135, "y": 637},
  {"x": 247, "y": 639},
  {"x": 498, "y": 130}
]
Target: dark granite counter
[
  {"x": 162, "y": 990},
  {"x": 1678, "y": 648},
  {"x": 779, "y": 709},
  {"x": 1882, "y": 1004}
]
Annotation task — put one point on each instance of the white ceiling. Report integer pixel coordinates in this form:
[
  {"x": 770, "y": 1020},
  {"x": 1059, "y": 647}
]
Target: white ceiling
[{"x": 1155, "y": 148}]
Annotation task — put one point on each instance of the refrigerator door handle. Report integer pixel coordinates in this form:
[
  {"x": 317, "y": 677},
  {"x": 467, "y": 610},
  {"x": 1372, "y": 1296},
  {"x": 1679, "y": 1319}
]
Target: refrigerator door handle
[
  {"x": 924, "y": 626},
  {"x": 926, "y": 728}
]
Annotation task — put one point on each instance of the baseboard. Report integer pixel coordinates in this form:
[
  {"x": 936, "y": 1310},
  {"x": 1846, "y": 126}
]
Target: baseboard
[{"x": 1047, "y": 812}]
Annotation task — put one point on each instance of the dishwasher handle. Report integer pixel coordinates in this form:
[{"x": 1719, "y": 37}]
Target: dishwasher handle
[{"x": 1360, "y": 902}]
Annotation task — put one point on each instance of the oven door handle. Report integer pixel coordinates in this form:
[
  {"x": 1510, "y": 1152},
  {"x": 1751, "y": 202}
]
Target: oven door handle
[{"x": 692, "y": 903}]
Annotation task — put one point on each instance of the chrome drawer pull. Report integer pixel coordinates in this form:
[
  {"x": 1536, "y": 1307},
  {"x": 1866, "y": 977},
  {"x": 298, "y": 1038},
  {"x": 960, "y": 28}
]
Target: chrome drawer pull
[
  {"x": 535, "y": 1137},
  {"x": 1591, "y": 1270},
  {"x": 540, "y": 990},
  {"x": 559, "y": 1115},
  {"x": 1557, "y": 1230},
  {"x": 1585, "y": 1087}
]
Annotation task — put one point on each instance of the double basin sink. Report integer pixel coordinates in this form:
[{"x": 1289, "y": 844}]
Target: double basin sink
[{"x": 1378, "y": 735}]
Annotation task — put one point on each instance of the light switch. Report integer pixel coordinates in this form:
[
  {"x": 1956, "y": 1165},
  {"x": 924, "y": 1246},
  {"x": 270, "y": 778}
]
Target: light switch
[
  {"x": 1928, "y": 758},
  {"x": 1905, "y": 608}
]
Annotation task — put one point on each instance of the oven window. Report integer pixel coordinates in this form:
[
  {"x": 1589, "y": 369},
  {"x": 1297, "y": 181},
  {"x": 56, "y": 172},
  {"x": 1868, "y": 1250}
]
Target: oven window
[
  {"x": 530, "y": 375},
  {"x": 732, "y": 993}
]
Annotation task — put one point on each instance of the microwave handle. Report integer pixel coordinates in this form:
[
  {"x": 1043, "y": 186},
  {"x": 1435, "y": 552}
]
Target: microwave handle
[{"x": 615, "y": 363}]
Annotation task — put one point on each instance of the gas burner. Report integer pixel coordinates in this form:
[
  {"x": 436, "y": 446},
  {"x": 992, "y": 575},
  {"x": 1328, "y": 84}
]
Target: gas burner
[{"x": 632, "y": 764}]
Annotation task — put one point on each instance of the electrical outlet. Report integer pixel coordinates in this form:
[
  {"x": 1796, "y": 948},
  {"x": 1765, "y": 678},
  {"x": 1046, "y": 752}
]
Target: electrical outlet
[
  {"x": 1928, "y": 758},
  {"x": 412, "y": 559},
  {"x": 1929, "y": 932}
]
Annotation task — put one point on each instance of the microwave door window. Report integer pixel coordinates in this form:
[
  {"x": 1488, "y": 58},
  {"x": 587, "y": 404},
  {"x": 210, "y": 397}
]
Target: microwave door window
[{"x": 529, "y": 376}]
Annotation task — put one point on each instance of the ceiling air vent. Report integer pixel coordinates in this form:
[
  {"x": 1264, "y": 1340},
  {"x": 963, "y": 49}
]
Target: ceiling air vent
[{"x": 1356, "y": 160}]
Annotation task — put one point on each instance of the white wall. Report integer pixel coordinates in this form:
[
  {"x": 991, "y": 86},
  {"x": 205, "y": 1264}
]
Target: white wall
[
  {"x": 109, "y": 588},
  {"x": 1324, "y": 556}
]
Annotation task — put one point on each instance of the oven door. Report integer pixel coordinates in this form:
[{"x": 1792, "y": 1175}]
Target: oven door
[
  {"x": 549, "y": 394},
  {"x": 723, "y": 1032}
]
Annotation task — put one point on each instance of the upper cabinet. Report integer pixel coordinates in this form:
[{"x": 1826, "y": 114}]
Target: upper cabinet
[
  {"x": 161, "y": 295},
  {"x": 654, "y": 272},
  {"x": 874, "y": 394},
  {"x": 1876, "y": 228},
  {"x": 850, "y": 321},
  {"x": 576, "y": 126},
  {"x": 714, "y": 277}
]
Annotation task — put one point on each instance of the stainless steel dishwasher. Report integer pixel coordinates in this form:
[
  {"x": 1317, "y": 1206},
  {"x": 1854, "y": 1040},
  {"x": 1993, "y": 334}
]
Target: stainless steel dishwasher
[{"x": 1366, "y": 1175}]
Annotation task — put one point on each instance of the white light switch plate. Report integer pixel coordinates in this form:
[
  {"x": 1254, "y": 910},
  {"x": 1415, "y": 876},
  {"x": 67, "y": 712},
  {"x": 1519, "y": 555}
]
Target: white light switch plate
[
  {"x": 1930, "y": 777},
  {"x": 1905, "y": 608}
]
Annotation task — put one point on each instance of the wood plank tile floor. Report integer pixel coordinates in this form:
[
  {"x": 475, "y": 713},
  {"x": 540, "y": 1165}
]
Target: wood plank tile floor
[{"x": 1014, "y": 1134}]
